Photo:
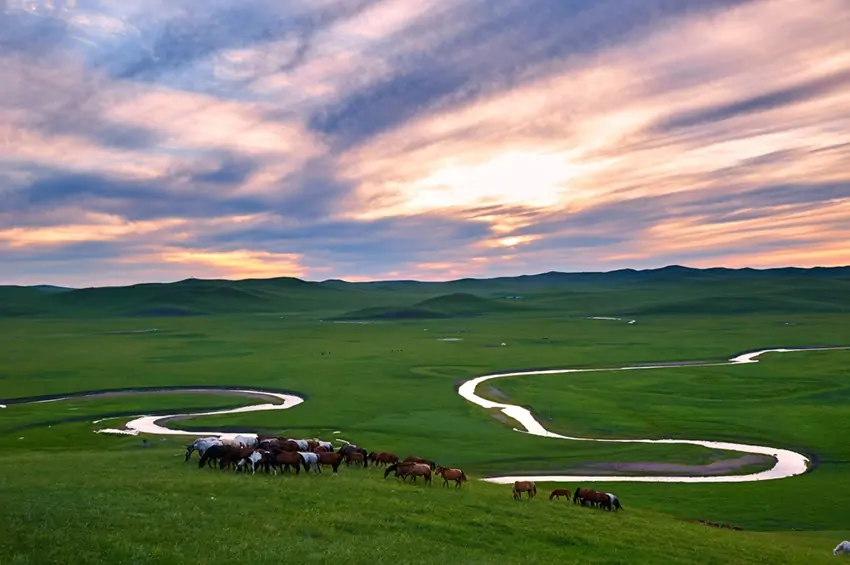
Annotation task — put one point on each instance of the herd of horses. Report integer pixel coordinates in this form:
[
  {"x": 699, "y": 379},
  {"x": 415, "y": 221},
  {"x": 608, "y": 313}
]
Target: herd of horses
[{"x": 272, "y": 454}]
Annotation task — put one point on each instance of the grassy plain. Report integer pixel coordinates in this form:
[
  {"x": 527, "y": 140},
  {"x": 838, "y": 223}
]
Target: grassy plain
[{"x": 69, "y": 495}]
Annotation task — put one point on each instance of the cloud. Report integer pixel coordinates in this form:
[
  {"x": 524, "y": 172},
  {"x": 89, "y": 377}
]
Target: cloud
[{"x": 400, "y": 139}]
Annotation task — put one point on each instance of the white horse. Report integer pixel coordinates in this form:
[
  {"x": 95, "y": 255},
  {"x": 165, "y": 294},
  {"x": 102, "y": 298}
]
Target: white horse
[
  {"x": 309, "y": 459},
  {"x": 302, "y": 444},
  {"x": 843, "y": 547},
  {"x": 201, "y": 445},
  {"x": 253, "y": 459},
  {"x": 246, "y": 441}
]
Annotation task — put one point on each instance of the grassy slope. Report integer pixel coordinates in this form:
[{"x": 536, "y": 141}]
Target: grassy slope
[{"x": 404, "y": 401}]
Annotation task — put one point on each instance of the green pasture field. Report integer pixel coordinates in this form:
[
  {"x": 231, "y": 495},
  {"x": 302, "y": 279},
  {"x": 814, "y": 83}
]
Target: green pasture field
[{"x": 68, "y": 495}]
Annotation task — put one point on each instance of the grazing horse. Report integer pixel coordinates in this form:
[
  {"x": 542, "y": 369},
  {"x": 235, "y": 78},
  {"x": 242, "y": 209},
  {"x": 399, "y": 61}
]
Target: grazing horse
[
  {"x": 301, "y": 443},
  {"x": 843, "y": 547},
  {"x": 286, "y": 459},
  {"x": 456, "y": 475},
  {"x": 400, "y": 470},
  {"x": 414, "y": 459},
  {"x": 247, "y": 441},
  {"x": 615, "y": 502},
  {"x": 256, "y": 456},
  {"x": 383, "y": 458},
  {"x": 233, "y": 457},
  {"x": 418, "y": 470},
  {"x": 332, "y": 459},
  {"x": 212, "y": 454},
  {"x": 524, "y": 486},
  {"x": 346, "y": 449},
  {"x": 354, "y": 457},
  {"x": 559, "y": 492},
  {"x": 310, "y": 460},
  {"x": 592, "y": 497},
  {"x": 201, "y": 445}
]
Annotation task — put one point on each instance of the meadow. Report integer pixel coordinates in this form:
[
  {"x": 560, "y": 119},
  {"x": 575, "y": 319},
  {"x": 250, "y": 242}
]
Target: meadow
[{"x": 70, "y": 495}]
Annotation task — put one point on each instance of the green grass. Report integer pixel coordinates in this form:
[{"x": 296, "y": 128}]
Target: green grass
[{"x": 70, "y": 495}]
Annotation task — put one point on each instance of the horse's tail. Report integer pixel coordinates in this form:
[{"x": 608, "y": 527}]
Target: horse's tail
[{"x": 534, "y": 489}]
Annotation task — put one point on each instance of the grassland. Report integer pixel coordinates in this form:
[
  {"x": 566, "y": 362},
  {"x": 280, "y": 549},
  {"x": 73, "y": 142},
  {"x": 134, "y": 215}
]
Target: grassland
[{"x": 391, "y": 385}]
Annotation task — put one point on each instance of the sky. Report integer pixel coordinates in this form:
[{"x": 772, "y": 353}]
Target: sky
[{"x": 156, "y": 140}]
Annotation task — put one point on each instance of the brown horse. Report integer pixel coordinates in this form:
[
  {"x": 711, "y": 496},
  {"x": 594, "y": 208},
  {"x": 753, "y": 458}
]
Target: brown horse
[
  {"x": 456, "y": 475},
  {"x": 524, "y": 486},
  {"x": 382, "y": 458},
  {"x": 559, "y": 492},
  {"x": 321, "y": 449},
  {"x": 419, "y": 470},
  {"x": 332, "y": 459},
  {"x": 346, "y": 449},
  {"x": 414, "y": 459},
  {"x": 399, "y": 468},
  {"x": 285, "y": 460},
  {"x": 596, "y": 498},
  {"x": 233, "y": 455},
  {"x": 354, "y": 457}
]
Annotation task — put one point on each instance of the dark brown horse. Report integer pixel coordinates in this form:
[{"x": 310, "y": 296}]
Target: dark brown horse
[
  {"x": 321, "y": 449},
  {"x": 346, "y": 449},
  {"x": 524, "y": 486},
  {"x": 400, "y": 469},
  {"x": 596, "y": 498},
  {"x": 382, "y": 458},
  {"x": 414, "y": 459},
  {"x": 559, "y": 492},
  {"x": 354, "y": 457},
  {"x": 456, "y": 475},
  {"x": 332, "y": 459},
  {"x": 284, "y": 460}
]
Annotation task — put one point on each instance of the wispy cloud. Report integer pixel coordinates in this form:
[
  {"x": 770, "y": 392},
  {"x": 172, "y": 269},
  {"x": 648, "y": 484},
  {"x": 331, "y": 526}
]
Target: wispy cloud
[{"x": 399, "y": 139}]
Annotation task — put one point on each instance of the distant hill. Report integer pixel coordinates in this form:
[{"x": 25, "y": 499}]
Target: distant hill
[
  {"x": 459, "y": 304},
  {"x": 670, "y": 290}
]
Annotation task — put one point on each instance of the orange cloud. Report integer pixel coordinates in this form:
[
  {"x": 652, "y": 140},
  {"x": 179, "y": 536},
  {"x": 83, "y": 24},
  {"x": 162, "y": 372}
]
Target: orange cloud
[{"x": 576, "y": 140}]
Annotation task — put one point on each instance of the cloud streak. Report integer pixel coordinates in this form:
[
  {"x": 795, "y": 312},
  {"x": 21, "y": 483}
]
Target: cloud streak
[{"x": 401, "y": 139}]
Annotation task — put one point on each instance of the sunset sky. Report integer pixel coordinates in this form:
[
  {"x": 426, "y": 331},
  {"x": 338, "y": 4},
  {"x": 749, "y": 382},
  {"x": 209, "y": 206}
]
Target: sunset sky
[{"x": 155, "y": 140}]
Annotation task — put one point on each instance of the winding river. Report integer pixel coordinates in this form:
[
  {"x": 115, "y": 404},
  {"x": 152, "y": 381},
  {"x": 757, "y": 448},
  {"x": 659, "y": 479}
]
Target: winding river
[{"x": 788, "y": 463}]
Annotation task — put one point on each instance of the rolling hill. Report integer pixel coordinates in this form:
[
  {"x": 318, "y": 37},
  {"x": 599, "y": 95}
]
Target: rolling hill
[{"x": 669, "y": 290}]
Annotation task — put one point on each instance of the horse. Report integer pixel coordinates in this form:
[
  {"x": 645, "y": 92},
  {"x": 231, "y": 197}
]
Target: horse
[
  {"x": 414, "y": 459},
  {"x": 256, "y": 456},
  {"x": 615, "y": 503},
  {"x": 232, "y": 442},
  {"x": 321, "y": 449},
  {"x": 201, "y": 445},
  {"x": 843, "y": 547},
  {"x": 310, "y": 459},
  {"x": 301, "y": 443},
  {"x": 400, "y": 469},
  {"x": 380, "y": 458},
  {"x": 212, "y": 454},
  {"x": 593, "y": 497},
  {"x": 346, "y": 449},
  {"x": 559, "y": 492},
  {"x": 287, "y": 459},
  {"x": 247, "y": 441},
  {"x": 233, "y": 456},
  {"x": 524, "y": 486},
  {"x": 419, "y": 470},
  {"x": 327, "y": 445},
  {"x": 354, "y": 457},
  {"x": 332, "y": 459},
  {"x": 456, "y": 475}
]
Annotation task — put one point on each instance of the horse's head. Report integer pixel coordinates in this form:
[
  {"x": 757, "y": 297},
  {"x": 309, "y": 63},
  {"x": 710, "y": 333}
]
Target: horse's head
[
  {"x": 390, "y": 469},
  {"x": 439, "y": 470}
]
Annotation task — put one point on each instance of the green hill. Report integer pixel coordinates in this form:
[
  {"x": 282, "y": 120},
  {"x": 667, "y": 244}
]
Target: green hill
[{"x": 670, "y": 290}]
